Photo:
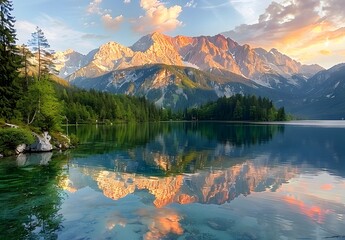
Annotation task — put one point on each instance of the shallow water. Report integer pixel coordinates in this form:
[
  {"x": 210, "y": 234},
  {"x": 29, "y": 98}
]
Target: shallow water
[{"x": 181, "y": 181}]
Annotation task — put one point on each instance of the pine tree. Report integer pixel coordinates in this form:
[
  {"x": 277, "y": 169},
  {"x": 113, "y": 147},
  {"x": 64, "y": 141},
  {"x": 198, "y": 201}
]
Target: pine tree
[
  {"x": 10, "y": 62},
  {"x": 26, "y": 56},
  {"x": 41, "y": 48}
]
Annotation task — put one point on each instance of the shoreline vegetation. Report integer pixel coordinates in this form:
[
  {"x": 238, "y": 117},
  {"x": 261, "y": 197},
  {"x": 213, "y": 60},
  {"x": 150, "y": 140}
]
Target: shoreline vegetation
[{"x": 35, "y": 103}]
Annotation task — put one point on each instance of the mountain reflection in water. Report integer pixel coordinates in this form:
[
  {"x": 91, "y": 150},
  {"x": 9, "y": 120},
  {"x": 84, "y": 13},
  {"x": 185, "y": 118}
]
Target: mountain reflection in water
[{"x": 199, "y": 181}]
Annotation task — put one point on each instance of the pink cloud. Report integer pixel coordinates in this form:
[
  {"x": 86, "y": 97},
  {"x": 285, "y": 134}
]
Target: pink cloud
[
  {"x": 157, "y": 17},
  {"x": 112, "y": 23}
]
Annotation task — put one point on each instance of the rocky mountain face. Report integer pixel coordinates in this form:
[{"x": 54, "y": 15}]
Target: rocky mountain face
[
  {"x": 68, "y": 62},
  {"x": 179, "y": 72},
  {"x": 207, "y": 53}
]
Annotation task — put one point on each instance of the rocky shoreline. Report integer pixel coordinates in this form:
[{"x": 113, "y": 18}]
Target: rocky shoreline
[{"x": 42, "y": 143}]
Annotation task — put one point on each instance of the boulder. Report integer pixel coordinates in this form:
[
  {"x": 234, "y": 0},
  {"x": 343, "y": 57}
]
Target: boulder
[
  {"x": 1, "y": 156},
  {"x": 41, "y": 144},
  {"x": 20, "y": 148}
]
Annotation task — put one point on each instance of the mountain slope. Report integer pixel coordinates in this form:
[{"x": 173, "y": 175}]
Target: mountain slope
[
  {"x": 326, "y": 95},
  {"x": 169, "y": 86}
]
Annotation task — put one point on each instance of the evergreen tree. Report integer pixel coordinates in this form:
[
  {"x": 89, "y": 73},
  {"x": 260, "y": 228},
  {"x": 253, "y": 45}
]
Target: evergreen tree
[
  {"x": 26, "y": 55},
  {"x": 9, "y": 62},
  {"x": 41, "y": 48}
]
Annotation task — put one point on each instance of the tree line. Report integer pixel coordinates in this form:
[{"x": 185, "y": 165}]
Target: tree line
[
  {"x": 91, "y": 106},
  {"x": 237, "y": 108}
]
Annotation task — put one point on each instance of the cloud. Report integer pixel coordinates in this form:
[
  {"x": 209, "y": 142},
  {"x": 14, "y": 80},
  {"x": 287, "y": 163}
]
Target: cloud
[
  {"x": 191, "y": 4},
  {"x": 126, "y": 1},
  {"x": 249, "y": 9},
  {"x": 58, "y": 34},
  {"x": 94, "y": 8},
  {"x": 91, "y": 36},
  {"x": 300, "y": 28},
  {"x": 325, "y": 52},
  {"x": 112, "y": 23},
  {"x": 157, "y": 17}
]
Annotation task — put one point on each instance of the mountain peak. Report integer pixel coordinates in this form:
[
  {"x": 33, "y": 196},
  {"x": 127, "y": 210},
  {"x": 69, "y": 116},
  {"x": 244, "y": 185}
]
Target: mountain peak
[
  {"x": 147, "y": 41},
  {"x": 68, "y": 51},
  {"x": 157, "y": 35}
]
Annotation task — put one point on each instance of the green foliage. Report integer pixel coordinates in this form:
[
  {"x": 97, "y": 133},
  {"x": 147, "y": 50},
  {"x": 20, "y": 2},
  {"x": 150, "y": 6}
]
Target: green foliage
[
  {"x": 237, "y": 108},
  {"x": 10, "y": 62},
  {"x": 74, "y": 140},
  {"x": 81, "y": 106},
  {"x": 10, "y": 138},
  {"x": 40, "y": 106}
]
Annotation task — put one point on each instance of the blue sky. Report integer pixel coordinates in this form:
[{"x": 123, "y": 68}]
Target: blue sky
[{"x": 311, "y": 31}]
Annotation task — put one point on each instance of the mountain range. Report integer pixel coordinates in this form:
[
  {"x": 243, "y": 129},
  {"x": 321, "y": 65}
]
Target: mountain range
[{"x": 179, "y": 72}]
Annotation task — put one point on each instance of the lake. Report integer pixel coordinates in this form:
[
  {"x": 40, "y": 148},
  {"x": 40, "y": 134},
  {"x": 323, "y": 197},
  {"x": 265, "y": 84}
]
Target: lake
[{"x": 191, "y": 180}]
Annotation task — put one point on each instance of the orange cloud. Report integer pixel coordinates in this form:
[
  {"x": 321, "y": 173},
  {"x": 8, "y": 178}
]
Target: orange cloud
[
  {"x": 157, "y": 17},
  {"x": 302, "y": 29},
  {"x": 112, "y": 23},
  {"x": 327, "y": 187}
]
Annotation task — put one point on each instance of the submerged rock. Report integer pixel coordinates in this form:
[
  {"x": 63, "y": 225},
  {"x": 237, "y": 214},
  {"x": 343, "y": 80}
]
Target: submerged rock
[{"x": 41, "y": 144}]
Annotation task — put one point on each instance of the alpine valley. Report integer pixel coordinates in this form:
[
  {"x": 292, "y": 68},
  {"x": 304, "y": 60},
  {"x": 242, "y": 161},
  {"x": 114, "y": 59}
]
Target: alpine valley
[{"x": 179, "y": 72}]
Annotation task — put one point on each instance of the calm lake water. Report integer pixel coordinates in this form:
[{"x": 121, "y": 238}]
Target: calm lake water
[{"x": 181, "y": 181}]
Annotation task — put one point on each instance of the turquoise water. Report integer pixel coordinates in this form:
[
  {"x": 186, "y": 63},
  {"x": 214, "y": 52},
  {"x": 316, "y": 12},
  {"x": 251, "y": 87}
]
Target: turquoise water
[{"x": 181, "y": 181}]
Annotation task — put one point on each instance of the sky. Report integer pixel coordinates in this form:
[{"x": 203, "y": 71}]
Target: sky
[{"x": 310, "y": 31}]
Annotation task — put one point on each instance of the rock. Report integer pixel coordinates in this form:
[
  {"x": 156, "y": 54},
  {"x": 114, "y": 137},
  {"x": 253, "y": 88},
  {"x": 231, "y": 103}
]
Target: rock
[
  {"x": 20, "y": 148},
  {"x": 1, "y": 156},
  {"x": 41, "y": 144}
]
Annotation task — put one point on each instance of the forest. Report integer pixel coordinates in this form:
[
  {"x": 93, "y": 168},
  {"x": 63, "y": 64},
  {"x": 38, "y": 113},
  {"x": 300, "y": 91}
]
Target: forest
[{"x": 237, "y": 108}]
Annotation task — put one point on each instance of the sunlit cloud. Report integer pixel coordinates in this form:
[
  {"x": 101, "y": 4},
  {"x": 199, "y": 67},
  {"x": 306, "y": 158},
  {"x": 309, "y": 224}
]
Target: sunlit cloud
[
  {"x": 112, "y": 23},
  {"x": 157, "y": 17},
  {"x": 94, "y": 7},
  {"x": 327, "y": 187},
  {"x": 303, "y": 29}
]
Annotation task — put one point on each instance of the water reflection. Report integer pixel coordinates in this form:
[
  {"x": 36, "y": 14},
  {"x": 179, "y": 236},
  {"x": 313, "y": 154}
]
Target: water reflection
[
  {"x": 268, "y": 181},
  {"x": 30, "y": 196},
  {"x": 181, "y": 181}
]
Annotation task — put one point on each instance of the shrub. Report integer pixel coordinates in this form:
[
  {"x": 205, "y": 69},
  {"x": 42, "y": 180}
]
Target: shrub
[
  {"x": 74, "y": 140},
  {"x": 10, "y": 138}
]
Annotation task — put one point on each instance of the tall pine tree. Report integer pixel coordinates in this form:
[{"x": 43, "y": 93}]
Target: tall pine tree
[
  {"x": 41, "y": 48},
  {"x": 10, "y": 62}
]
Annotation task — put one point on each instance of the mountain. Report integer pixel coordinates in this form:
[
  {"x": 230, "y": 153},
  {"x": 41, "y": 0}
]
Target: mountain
[
  {"x": 325, "y": 96},
  {"x": 170, "y": 86},
  {"x": 207, "y": 53},
  {"x": 181, "y": 71},
  {"x": 69, "y": 61}
]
